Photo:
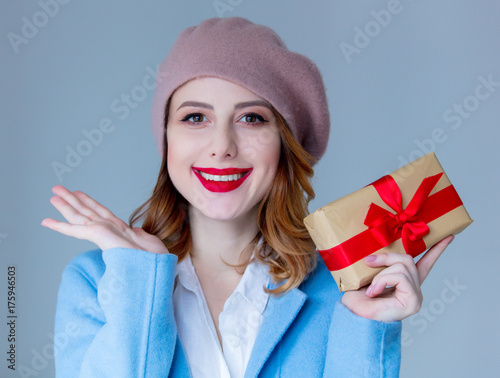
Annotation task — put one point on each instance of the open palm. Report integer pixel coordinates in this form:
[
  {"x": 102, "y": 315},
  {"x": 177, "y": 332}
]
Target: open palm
[{"x": 89, "y": 220}]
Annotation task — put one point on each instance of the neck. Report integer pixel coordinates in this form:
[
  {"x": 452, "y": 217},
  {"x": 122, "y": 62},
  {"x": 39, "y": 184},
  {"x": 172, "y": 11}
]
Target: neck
[{"x": 217, "y": 243}]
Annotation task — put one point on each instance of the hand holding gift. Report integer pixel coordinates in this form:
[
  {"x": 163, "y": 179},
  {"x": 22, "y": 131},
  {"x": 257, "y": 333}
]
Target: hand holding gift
[
  {"x": 394, "y": 293},
  {"x": 392, "y": 220}
]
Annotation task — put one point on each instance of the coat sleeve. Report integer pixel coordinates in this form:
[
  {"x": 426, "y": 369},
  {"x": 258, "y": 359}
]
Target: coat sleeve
[
  {"x": 114, "y": 315},
  {"x": 360, "y": 347}
]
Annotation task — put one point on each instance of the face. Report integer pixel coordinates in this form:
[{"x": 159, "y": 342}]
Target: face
[{"x": 223, "y": 147}]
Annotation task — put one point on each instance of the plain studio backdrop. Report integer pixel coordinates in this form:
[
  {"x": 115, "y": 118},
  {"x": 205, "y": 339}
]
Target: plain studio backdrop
[{"x": 403, "y": 78}]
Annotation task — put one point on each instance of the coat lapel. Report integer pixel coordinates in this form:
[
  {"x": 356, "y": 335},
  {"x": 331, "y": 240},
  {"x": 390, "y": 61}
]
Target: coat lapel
[{"x": 278, "y": 315}]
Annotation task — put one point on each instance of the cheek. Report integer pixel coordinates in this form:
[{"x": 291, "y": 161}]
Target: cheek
[
  {"x": 270, "y": 152},
  {"x": 262, "y": 147},
  {"x": 178, "y": 146},
  {"x": 171, "y": 157},
  {"x": 178, "y": 170},
  {"x": 175, "y": 155}
]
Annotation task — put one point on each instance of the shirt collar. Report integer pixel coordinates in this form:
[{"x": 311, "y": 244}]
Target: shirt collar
[
  {"x": 251, "y": 286},
  {"x": 184, "y": 272}
]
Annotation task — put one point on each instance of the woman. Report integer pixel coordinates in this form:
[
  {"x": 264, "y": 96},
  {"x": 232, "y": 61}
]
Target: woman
[{"x": 222, "y": 279}]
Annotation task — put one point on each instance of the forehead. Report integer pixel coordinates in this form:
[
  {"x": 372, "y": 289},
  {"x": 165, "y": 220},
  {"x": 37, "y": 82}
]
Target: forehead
[{"x": 212, "y": 89}]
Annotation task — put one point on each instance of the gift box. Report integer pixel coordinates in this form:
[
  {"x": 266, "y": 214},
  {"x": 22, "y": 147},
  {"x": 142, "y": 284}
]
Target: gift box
[{"x": 407, "y": 211}]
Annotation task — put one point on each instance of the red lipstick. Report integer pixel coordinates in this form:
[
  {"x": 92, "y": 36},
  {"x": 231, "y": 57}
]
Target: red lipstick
[{"x": 221, "y": 186}]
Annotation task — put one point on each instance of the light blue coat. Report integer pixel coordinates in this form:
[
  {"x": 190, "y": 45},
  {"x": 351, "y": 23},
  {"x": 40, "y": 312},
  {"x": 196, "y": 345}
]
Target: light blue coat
[{"x": 114, "y": 318}]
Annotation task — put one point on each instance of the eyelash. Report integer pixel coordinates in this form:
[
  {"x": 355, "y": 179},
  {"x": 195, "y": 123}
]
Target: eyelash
[
  {"x": 191, "y": 115},
  {"x": 259, "y": 118}
]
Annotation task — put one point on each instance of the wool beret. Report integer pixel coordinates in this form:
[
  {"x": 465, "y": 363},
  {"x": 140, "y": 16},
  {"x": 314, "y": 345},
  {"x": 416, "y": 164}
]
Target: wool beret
[{"x": 255, "y": 57}]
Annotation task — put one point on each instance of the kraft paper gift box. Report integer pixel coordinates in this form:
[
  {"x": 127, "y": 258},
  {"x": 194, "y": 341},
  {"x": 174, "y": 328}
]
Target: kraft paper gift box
[{"x": 407, "y": 211}]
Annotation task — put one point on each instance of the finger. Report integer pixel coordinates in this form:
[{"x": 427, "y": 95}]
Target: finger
[
  {"x": 68, "y": 211},
  {"x": 425, "y": 264},
  {"x": 399, "y": 281},
  {"x": 74, "y": 201},
  {"x": 391, "y": 258},
  {"x": 94, "y": 205},
  {"x": 74, "y": 230},
  {"x": 406, "y": 299},
  {"x": 400, "y": 268}
]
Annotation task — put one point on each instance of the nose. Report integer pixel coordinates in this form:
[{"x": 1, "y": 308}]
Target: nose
[{"x": 224, "y": 144}]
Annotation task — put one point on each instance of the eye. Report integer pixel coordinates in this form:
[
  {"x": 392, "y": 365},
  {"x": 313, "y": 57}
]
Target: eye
[
  {"x": 194, "y": 118},
  {"x": 253, "y": 118}
]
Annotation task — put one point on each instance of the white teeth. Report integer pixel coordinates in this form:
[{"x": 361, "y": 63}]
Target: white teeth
[{"x": 209, "y": 177}]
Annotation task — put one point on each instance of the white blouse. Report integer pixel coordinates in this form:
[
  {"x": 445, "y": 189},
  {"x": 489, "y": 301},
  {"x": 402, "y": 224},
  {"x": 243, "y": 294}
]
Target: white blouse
[{"x": 239, "y": 321}]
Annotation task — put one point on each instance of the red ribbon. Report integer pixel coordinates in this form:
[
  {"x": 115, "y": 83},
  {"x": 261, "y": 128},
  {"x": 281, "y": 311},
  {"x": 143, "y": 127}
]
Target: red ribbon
[{"x": 385, "y": 227}]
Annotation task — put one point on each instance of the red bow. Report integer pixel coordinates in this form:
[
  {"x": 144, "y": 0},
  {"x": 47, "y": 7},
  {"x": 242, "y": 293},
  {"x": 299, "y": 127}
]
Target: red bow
[{"x": 387, "y": 227}]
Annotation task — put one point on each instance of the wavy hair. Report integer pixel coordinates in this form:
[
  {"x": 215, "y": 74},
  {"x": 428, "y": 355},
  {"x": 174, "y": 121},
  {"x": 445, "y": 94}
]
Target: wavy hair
[{"x": 285, "y": 245}]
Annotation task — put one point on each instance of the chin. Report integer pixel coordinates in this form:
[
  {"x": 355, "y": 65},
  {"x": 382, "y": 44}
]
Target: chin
[{"x": 228, "y": 212}]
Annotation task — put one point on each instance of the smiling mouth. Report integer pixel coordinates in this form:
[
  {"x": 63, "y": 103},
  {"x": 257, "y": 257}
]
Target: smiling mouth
[
  {"x": 221, "y": 180},
  {"x": 210, "y": 177}
]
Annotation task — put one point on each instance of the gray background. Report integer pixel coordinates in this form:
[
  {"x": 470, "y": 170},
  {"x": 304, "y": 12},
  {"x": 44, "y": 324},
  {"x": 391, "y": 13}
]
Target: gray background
[{"x": 387, "y": 101}]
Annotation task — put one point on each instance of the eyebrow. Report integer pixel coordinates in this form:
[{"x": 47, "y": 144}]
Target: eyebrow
[
  {"x": 253, "y": 103},
  {"x": 196, "y": 104},
  {"x": 240, "y": 105}
]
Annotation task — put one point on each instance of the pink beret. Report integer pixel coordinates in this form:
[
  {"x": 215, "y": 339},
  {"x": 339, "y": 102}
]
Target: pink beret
[{"x": 253, "y": 56}]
